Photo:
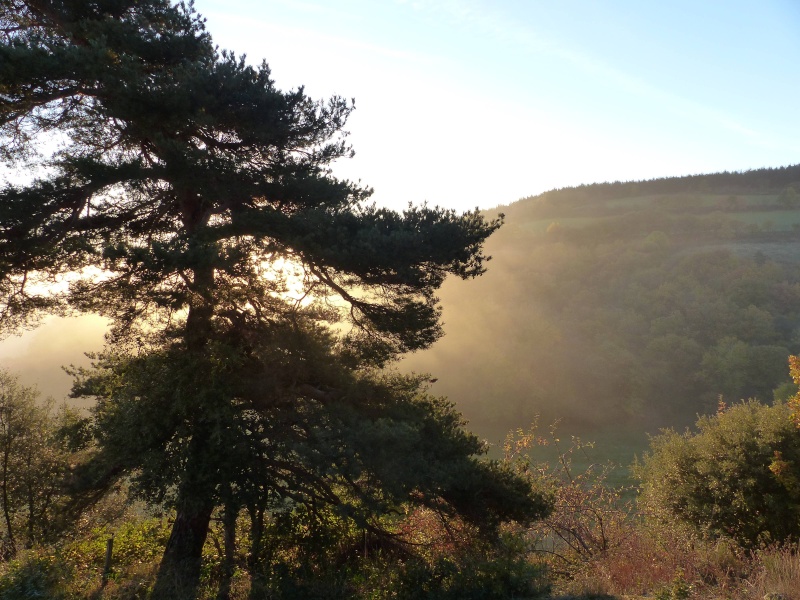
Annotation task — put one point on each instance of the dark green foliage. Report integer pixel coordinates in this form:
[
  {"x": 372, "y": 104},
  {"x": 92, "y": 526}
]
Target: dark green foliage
[
  {"x": 325, "y": 556},
  {"x": 361, "y": 441},
  {"x": 478, "y": 577},
  {"x": 181, "y": 161},
  {"x": 737, "y": 477}
]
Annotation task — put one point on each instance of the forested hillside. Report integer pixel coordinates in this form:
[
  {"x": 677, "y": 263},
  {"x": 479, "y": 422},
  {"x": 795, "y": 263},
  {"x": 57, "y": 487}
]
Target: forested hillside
[{"x": 637, "y": 303}]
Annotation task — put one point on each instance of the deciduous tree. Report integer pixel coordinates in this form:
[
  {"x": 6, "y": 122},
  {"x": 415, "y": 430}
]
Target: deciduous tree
[{"x": 36, "y": 447}]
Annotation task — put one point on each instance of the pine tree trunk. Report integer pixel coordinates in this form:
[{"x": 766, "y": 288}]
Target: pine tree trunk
[{"x": 179, "y": 572}]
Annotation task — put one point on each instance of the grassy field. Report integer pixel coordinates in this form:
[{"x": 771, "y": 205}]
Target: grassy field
[{"x": 771, "y": 220}]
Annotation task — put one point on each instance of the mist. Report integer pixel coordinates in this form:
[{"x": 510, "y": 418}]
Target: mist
[
  {"x": 613, "y": 307},
  {"x": 38, "y": 355},
  {"x": 626, "y": 307}
]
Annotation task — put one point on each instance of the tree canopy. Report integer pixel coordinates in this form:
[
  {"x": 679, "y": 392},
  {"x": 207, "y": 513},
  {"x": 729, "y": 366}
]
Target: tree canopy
[
  {"x": 184, "y": 175},
  {"x": 253, "y": 296}
]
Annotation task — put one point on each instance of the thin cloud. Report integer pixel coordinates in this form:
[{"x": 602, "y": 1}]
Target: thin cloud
[{"x": 531, "y": 41}]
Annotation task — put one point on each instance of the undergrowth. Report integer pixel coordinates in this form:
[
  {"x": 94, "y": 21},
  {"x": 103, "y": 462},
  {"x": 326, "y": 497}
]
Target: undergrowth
[{"x": 593, "y": 545}]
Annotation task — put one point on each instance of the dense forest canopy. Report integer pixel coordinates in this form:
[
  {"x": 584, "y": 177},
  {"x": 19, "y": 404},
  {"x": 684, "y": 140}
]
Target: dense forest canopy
[
  {"x": 756, "y": 181},
  {"x": 636, "y": 303}
]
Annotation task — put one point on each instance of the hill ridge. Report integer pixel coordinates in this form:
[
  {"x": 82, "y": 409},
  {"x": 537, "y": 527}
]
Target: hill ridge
[{"x": 763, "y": 180}]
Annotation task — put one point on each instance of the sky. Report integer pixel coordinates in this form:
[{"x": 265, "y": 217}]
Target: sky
[
  {"x": 465, "y": 103},
  {"x": 472, "y": 103}
]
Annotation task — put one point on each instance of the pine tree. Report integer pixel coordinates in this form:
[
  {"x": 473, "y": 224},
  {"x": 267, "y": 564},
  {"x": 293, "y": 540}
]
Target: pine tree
[{"x": 253, "y": 296}]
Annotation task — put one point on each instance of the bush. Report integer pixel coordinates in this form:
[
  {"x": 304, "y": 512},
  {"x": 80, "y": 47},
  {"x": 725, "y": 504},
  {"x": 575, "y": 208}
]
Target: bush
[
  {"x": 736, "y": 477},
  {"x": 427, "y": 556},
  {"x": 476, "y": 577},
  {"x": 136, "y": 542},
  {"x": 34, "y": 576}
]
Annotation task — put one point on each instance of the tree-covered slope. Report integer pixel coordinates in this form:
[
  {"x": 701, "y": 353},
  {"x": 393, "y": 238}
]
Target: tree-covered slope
[{"x": 628, "y": 302}]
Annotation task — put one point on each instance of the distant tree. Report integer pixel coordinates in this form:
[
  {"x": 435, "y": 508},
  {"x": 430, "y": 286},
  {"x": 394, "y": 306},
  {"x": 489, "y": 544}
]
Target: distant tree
[
  {"x": 252, "y": 294},
  {"x": 794, "y": 400},
  {"x": 554, "y": 228},
  {"x": 737, "y": 369},
  {"x": 36, "y": 445},
  {"x": 732, "y": 202},
  {"x": 789, "y": 198},
  {"x": 656, "y": 241}
]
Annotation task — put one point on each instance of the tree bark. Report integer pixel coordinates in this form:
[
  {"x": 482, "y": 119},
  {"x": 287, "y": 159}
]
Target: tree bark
[
  {"x": 179, "y": 572},
  {"x": 10, "y": 547}
]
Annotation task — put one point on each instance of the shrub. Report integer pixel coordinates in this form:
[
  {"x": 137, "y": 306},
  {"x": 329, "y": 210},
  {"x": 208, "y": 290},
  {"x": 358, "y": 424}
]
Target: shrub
[
  {"x": 34, "y": 576},
  {"x": 136, "y": 542},
  {"x": 428, "y": 556},
  {"x": 588, "y": 517},
  {"x": 736, "y": 477},
  {"x": 473, "y": 577}
]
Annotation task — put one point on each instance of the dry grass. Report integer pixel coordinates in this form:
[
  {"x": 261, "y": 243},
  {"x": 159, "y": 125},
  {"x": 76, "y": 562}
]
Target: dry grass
[
  {"x": 671, "y": 566},
  {"x": 778, "y": 574}
]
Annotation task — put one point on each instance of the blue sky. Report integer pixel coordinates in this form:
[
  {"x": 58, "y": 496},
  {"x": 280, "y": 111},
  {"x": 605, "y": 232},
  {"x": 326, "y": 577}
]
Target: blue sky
[{"x": 466, "y": 103}]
